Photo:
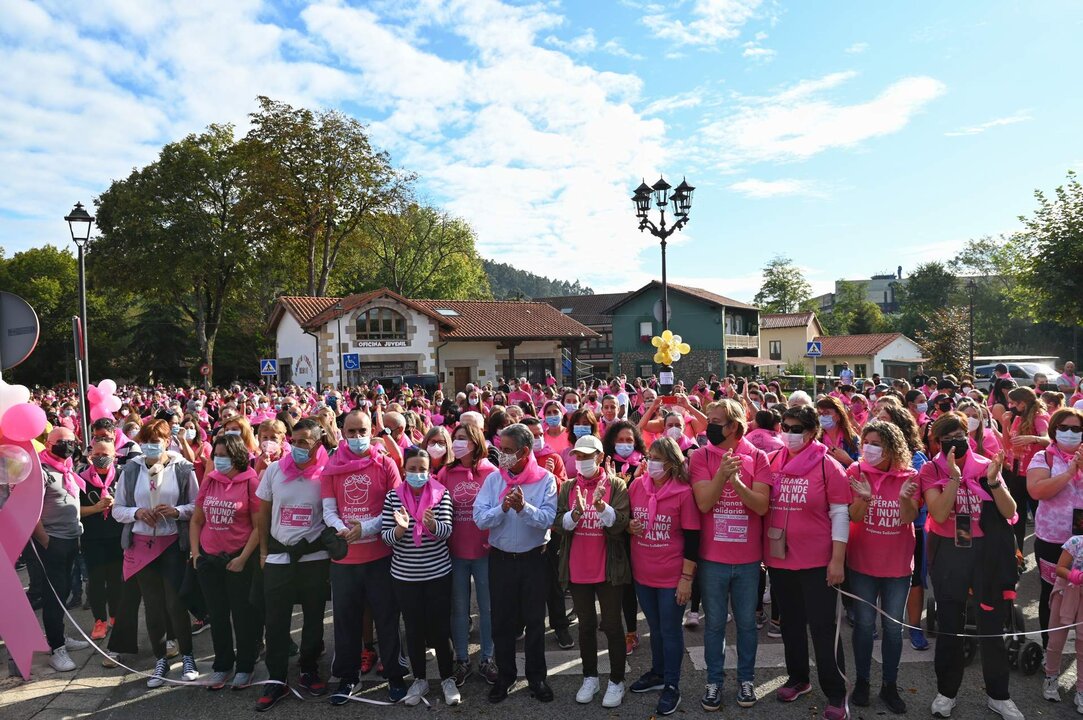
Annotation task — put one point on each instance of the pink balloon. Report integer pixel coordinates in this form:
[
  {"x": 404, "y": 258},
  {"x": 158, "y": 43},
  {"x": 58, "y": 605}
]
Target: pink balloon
[
  {"x": 23, "y": 422},
  {"x": 107, "y": 388},
  {"x": 93, "y": 395}
]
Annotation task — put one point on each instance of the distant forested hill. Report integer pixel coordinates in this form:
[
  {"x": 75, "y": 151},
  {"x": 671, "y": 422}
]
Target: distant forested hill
[{"x": 509, "y": 282}]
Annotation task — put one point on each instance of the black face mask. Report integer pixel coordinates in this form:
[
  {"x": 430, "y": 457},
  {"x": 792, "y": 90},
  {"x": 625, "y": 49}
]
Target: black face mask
[
  {"x": 959, "y": 446},
  {"x": 716, "y": 433},
  {"x": 63, "y": 449}
]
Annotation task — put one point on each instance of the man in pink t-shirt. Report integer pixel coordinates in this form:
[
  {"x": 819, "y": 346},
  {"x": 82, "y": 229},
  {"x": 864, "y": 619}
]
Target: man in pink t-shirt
[{"x": 353, "y": 486}]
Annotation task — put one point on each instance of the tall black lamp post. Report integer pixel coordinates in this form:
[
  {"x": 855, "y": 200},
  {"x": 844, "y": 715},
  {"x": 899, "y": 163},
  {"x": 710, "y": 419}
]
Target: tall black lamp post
[
  {"x": 79, "y": 223},
  {"x": 681, "y": 199},
  {"x": 971, "y": 286},
  {"x": 338, "y": 342}
]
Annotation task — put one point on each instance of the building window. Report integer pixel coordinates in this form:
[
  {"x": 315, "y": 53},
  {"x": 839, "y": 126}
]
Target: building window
[
  {"x": 646, "y": 329},
  {"x": 776, "y": 349},
  {"x": 646, "y": 371},
  {"x": 532, "y": 370},
  {"x": 380, "y": 324},
  {"x": 859, "y": 370}
]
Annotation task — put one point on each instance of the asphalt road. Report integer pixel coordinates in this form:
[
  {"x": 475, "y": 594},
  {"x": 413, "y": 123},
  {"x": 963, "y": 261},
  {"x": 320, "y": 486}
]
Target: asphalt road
[{"x": 94, "y": 691}]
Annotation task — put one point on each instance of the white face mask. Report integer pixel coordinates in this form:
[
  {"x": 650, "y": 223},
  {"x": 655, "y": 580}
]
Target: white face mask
[
  {"x": 539, "y": 444},
  {"x": 793, "y": 441},
  {"x": 972, "y": 424},
  {"x": 586, "y": 468},
  {"x": 460, "y": 448},
  {"x": 1068, "y": 440},
  {"x": 656, "y": 469},
  {"x": 507, "y": 460},
  {"x": 674, "y": 432},
  {"x": 437, "y": 450},
  {"x": 872, "y": 454}
]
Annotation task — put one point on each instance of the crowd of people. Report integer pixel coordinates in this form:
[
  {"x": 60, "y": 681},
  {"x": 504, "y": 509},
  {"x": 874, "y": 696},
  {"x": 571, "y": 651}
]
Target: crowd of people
[{"x": 226, "y": 509}]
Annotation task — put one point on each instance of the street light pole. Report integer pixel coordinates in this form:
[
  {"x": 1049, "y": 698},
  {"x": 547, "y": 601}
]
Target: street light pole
[
  {"x": 338, "y": 342},
  {"x": 681, "y": 199},
  {"x": 79, "y": 223},
  {"x": 971, "y": 286}
]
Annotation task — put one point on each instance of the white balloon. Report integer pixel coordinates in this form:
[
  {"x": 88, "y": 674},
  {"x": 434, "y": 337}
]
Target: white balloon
[
  {"x": 15, "y": 464},
  {"x": 11, "y": 395}
]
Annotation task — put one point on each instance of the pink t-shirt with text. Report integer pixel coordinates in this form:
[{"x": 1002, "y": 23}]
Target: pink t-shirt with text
[
  {"x": 360, "y": 498},
  {"x": 932, "y": 476},
  {"x": 467, "y": 542},
  {"x": 586, "y": 559},
  {"x": 880, "y": 545},
  {"x": 658, "y": 554},
  {"x": 731, "y": 533},
  {"x": 227, "y": 511}
]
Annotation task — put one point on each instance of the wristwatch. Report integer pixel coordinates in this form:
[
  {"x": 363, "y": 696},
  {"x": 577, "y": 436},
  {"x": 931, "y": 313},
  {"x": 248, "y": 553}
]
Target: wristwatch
[{"x": 994, "y": 486}]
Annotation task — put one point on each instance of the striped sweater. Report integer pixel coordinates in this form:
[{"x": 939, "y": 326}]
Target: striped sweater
[{"x": 417, "y": 563}]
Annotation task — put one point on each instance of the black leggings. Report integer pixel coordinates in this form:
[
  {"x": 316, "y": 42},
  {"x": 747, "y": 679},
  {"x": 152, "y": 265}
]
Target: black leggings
[
  {"x": 1017, "y": 486},
  {"x": 426, "y": 612}
]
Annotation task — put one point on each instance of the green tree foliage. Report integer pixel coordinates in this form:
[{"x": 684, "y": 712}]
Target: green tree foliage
[
  {"x": 183, "y": 230},
  {"x": 944, "y": 336},
  {"x": 320, "y": 179},
  {"x": 784, "y": 287},
  {"x": 931, "y": 287},
  {"x": 509, "y": 282}
]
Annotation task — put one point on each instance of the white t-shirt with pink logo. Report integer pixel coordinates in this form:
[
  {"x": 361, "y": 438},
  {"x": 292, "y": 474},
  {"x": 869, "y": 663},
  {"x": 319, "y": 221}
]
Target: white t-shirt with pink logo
[
  {"x": 296, "y": 512},
  {"x": 658, "y": 554}
]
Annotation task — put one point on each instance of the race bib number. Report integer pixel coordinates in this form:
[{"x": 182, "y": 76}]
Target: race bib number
[
  {"x": 731, "y": 528},
  {"x": 295, "y": 516}
]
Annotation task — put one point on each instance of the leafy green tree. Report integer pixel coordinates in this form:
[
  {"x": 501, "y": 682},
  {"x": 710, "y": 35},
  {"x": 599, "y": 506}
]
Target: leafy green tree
[
  {"x": 508, "y": 282},
  {"x": 944, "y": 336},
  {"x": 183, "y": 230},
  {"x": 931, "y": 287},
  {"x": 784, "y": 287},
  {"x": 866, "y": 318},
  {"x": 320, "y": 179}
]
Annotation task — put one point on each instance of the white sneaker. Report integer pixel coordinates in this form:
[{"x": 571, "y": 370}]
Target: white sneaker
[
  {"x": 942, "y": 706},
  {"x": 190, "y": 671},
  {"x": 73, "y": 644},
  {"x": 614, "y": 695},
  {"x": 588, "y": 690},
  {"x": 61, "y": 661},
  {"x": 1005, "y": 709},
  {"x": 1050, "y": 691},
  {"x": 171, "y": 649},
  {"x": 691, "y": 619},
  {"x": 418, "y": 690},
  {"x": 451, "y": 692},
  {"x": 157, "y": 678}
]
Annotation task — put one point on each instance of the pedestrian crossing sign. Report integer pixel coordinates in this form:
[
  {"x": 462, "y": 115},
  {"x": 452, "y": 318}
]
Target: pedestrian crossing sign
[{"x": 268, "y": 366}]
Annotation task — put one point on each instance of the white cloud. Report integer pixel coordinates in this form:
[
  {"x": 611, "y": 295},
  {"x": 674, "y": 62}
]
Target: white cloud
[
  {"x": 1018, "y": 117},
  {"x": 615, "y": 48},
  {"x": 579, "y": 45},
  {"x": 755, "y": 188},
  {"x": 755, "y": 51},
  {"x": 680, "y": 101},
  {"x": 799, "y": 122},
  {"x": 857, "y": 48},
  {"x": 715, "y": 21}
]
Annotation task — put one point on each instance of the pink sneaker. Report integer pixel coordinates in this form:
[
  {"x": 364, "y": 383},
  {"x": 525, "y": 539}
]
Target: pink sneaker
[
  {"x": 792, "y": 690},
  {"x": 837, "y": 712}
]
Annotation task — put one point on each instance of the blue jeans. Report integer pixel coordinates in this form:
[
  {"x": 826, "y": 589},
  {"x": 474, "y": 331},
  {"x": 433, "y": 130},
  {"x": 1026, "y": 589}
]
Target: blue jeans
[
  {"x": 461, "y": 572},
  {"x": 664, "y": 618},
  {"x": 720, "y": 585},
  {"x": 892, "y": 594}
]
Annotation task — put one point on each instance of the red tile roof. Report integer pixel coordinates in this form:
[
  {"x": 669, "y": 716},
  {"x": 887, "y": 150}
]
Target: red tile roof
[
  {"x": 302, "y": 307},
  {"x": 357, "y": 300},
  {"x": 777, "y": 321},
  {"x": 856, "y": 345},
  {"x": 504, "y": 319},
  {"x": 587, "y": 309}
]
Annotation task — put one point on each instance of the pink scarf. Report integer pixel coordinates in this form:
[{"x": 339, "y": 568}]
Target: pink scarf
[
  {"x": 973, "y": 469},
  {"x": 656, "y": 494},
  {"x": 144, "y": 550},
  {"x": 345, "y": 462},
  {"x": 292, "y": 472},
  {"x": 1066, "y": 457},
  {"x": 801, "y": 464},
  {"x": 417, "y": 505},
  {"x": 72, "y": 482},
  {"x": 876, "y": 476},
  {"x": 589, "y": 485},
  {"x": 90, "y": 476},
  {"x": 532, "y": 473},
  {"x": 248, "y": 475}
]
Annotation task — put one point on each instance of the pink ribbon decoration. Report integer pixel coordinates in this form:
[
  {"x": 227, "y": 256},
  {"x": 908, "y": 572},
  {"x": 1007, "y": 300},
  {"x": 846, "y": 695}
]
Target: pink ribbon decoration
[{"x": 19, "y": 626}]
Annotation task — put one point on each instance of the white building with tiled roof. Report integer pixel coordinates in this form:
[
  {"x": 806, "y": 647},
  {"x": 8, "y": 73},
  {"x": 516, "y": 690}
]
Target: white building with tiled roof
[{"x": 339, "y": 341}]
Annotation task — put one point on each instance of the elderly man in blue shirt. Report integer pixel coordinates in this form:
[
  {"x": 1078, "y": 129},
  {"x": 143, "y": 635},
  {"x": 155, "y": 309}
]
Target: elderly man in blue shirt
[{"x": 517, "y": 505}]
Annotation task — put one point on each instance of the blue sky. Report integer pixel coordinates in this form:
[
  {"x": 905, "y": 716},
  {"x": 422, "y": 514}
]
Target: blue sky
[{"x": 853, "y": 137}]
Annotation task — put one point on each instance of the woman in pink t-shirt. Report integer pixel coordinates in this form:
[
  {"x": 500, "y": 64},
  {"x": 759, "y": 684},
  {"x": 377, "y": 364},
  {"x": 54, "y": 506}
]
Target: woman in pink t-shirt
[
  {"x": 983, "y": 439},
  {"x": 665, "y": 549},
  {"x": 223, "y": 545},
  {"x": 731, "y": 482},
  {"x": 592, "y": 515},
  {"x": 463, "y": 476},
  {"x": 959, "y": 486},
  {"x": 1025, "y": 431},
  {"x": 880, "y": 553},
  {"x": 807, "y": 528}
]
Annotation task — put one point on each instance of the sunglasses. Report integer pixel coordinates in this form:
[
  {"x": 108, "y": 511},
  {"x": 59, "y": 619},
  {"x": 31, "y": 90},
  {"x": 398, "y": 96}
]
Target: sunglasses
[
  {"x": 1070, "y": 428},
  {"x": 793, "y": 429}
]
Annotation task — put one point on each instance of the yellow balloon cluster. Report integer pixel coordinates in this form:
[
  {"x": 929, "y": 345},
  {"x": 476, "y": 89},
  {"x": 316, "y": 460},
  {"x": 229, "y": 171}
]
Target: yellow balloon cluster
[{"x": 670, "y": 348}]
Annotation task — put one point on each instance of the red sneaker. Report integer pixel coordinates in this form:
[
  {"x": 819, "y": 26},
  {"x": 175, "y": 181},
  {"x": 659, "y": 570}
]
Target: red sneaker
[
  {"x": 631, "y": 642},
  {"x": 100, "y": 630},
  {"x": 368, "y": 660}
]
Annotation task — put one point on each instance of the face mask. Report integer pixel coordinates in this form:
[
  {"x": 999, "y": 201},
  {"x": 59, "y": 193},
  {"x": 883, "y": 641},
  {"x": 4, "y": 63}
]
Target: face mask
[
  {"x": 175, "y": 429},
  {"x": 190, "y": 434},
  {"x": 1068, "y": 440},
  {"x": 358, "y": 445},
  {"x": 64, "y": 449},
  {"x": 539, "y": 444},
  {"x": 757, "y": 404},
  {"x": 132, "y": 433},
  {"x": 103, "y": 461},
  {"x": 972, "y": 424},
  {"x": 507, "y": 460},
  {"x": 674, "y": 432},
  {"x": 552, "y": 420},
  {"x": 716, "y": 434},
  {"x": 656, "y": 469},
  {"x": 264, "y": 406},
  {"x": 959, "y": 447},
  {"x": 625, "y": 449},
  {"x": 269, "y": 446},
  {"x": 586, "y": 468},
  {"x": 872, "y": 454},
  {"x": 571, "y": 407},
  {"x": 235, "y": 433},
  {"x": 437, "y": 450},
  {"x": 472, "y": 402},
  {"x": 222, "y": 464},
  {"x": 793, "y": 441},
  {"x": 153, "y": 451},
  {"x": 922, "y": 408},
  {"x": 580, "y": 430},
  {"x": 68, "y": 413},
  {"x": 300, "y": 455},
  {"x": 827, "y": 422},
  {"x": 417, "y": 480}
]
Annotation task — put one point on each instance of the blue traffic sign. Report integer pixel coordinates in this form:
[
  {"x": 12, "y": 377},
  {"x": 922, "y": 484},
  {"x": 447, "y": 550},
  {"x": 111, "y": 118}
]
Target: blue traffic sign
[
  {"x": 351, "y": 361},
  {"x": 814, "y": 349},
  {"x": 268, "y": 366}
]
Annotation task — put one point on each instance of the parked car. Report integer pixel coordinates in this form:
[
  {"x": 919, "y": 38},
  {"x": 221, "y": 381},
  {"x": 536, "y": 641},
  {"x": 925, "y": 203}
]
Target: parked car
[{"x": 1022, "y": 372}]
